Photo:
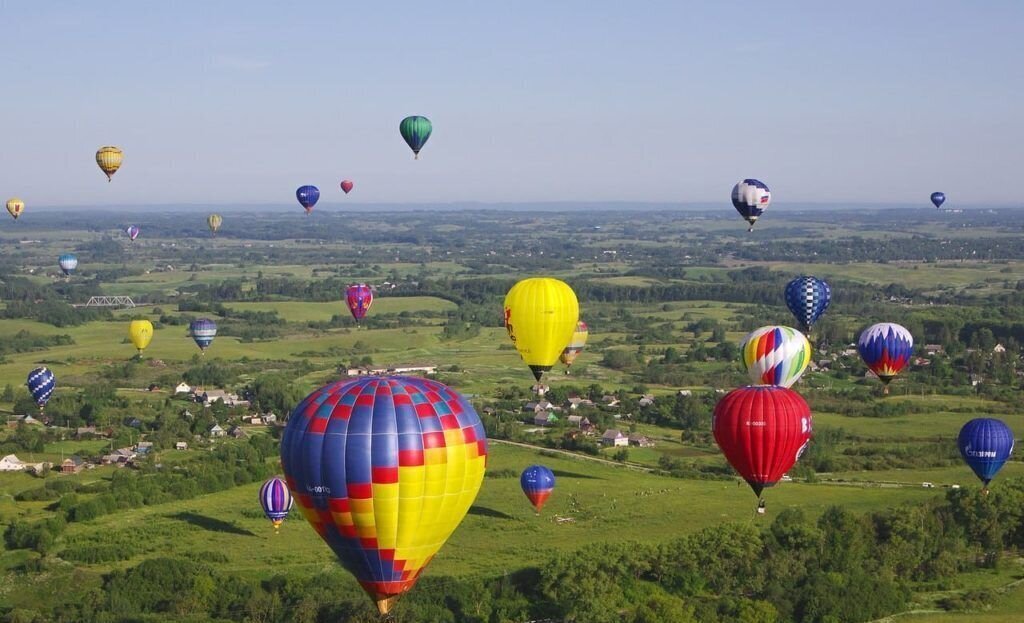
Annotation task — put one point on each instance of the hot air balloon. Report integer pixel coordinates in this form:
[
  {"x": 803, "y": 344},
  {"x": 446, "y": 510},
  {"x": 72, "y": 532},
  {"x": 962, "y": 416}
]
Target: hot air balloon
[
  {"x": 308, "y": 196},
  {"x": 213, "y": 222},
  {"x": 938, "y": 198},
  {"x": 68, "y": 263},
  {"x": 133, "y": 232},
  {"x": 359, "y": 297},
  {"x": 41, "y": 384},
  {"x": 276, "y": 500},
  {"x": 537, "y": 482},
  {"x": 541, "y": 314},
  {"x": 885, "y": 348},
  {"x": 347, "y": 186},
  {"x": 416, "y": 130},
  {"x": 203, "y": 331},
  {"x": 384, "y": 469},
  {"x": 807, "y": 298},
  {"x": 109, "y": 158},
  {"x": 775, "y": 355},
  {"x": 140, "y": 332},
  {"x": 762, "y": 431},
  {"x": 575, "y": 346},
  {"x": 751, "y": 198},
  {"x": 15, "y": 207},
  {"x": 985, "y": 444}
]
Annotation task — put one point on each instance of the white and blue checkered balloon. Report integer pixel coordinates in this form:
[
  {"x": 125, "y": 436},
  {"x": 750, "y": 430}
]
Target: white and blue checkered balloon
[
  {"x": 41, "y": 384},
  {"x": 808, "y": 298}
]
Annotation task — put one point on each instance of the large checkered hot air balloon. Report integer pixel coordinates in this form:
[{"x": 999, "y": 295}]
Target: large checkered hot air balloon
[
  {"x": 751, "y": 198},
  {"x": 886, "y": 348},
  {"x": 808, "y": 298},
  {"x": 775, "y": 355},
  {"x": 384, "y": 469},
  {"x": 762, "y": 431}
]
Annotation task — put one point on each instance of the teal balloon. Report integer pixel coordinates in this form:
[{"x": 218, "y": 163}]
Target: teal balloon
[{"x": 416, "y": 130}]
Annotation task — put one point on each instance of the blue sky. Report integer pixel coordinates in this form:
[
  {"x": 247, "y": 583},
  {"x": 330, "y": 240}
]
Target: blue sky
[{"x": 228, "y": 102}]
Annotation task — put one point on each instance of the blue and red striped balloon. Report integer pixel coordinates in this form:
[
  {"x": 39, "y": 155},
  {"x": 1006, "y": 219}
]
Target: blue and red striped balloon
[
  {"x": 276, "y": 500},
  {"x": 537, "y": 482}
]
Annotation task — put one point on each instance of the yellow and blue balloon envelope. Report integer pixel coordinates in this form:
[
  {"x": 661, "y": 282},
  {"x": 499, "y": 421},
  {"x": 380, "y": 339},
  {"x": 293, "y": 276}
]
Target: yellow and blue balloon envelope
[
  {"x": 775, "y": 355},
  {"x": 384, "y": 469}
]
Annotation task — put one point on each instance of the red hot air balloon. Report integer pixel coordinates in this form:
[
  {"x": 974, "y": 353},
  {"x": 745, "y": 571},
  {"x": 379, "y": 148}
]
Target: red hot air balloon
[
  {"x": 762, "y": 430},
  {"x": 359, "y": 297},
  {"x": 347, "y": 186}
]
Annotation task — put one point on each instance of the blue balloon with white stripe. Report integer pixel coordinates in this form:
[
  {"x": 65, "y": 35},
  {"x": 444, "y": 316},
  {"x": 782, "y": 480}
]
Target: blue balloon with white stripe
[
  {"x": 41, "y": 383},
  {"x": 985, "y": 444},
  {"x": 68, "y": 263},
  {"x": 751, "y": 198},
  {"x": 807, "y": 298},
  {"x": 203, "y": 331}
]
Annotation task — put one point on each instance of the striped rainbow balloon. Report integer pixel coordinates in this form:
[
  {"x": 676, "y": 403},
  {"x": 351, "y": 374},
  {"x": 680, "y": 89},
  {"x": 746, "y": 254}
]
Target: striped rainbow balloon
[{"x": 775, "y": 355}]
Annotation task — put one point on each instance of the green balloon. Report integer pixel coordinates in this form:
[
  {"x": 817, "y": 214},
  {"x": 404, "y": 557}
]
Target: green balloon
[{"x": 415, "y": 130}]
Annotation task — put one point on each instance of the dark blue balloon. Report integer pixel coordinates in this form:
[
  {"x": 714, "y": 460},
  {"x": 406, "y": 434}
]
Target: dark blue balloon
[
  {"x": 308, "y": 196},
  {"x": 985, "y": 444},
  {"x": 938, "y": 199},
  {"x": 41, "y": 384},
  {"x": 808, "y": 298}
]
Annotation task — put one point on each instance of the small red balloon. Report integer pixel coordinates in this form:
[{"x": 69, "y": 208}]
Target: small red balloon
[{"x": 347, "y": 185}]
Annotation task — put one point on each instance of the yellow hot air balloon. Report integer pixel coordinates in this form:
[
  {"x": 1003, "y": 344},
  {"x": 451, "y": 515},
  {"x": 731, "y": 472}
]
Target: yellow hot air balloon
[
  {"x": 540, "y": 316},
  {"x": 15, "y": 206},
  {"x": 109, "y": 158},
  {"x": 141, "y": 334},
  {"x": 214, "y": 221}
]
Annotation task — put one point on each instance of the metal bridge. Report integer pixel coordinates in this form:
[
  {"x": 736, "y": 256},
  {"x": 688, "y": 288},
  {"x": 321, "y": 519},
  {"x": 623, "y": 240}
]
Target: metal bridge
[{"x": 109, "y": 301}]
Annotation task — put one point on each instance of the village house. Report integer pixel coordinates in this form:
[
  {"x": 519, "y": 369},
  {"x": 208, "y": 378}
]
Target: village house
[
  {"x": 641, "y": 441},
  {"x": 11, "y": 463},
  {"x": 217, "y": 431},
  {"x": 646, "y": 400},
  {"x": 540, "y": 389},
  {"x": 543, "y": 418},
  {"x": 237, "y": 432},
  {"x": 83, "y": 431},
  {"x": 182, "y": 388},
  {"x": 211, "y": 396},
  {"x": 999, "y": 348},
  {"x": 144, "y": 447},
  {"x": 180, "y": 445},
  {"x": 256, "y": 420},
  {"x": 610, "y": 401},
  {"x": 614, "y": 438},
  {"x": 576, "y": 402},
  {"x": 72, "y": 465},
  {"x": 424, "y": 369},
  {"x": 121, "y": 456},
  {"x": 27, "y": 420},
  {"x": 580, "y": 422},
  {"x": 933, "y": 349},
  {"x": 537, "y": 407},
  {"x": 685, "y": 393}
]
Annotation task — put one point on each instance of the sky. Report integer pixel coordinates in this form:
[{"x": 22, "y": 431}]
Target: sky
[{"x": 241, "y": 102}]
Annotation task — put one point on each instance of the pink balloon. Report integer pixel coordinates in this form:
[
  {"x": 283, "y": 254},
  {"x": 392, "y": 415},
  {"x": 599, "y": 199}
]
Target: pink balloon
[{"x": 347, "y": 185}]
